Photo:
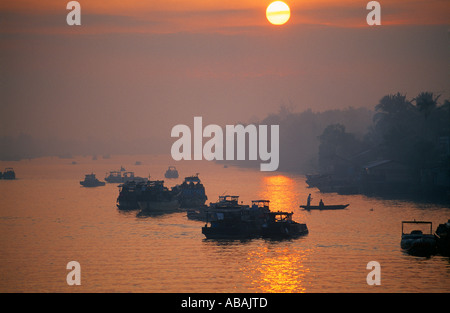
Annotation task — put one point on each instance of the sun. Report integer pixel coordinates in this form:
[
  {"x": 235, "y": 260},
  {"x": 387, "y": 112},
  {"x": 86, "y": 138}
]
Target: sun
[{"x": 278, "y": 13}]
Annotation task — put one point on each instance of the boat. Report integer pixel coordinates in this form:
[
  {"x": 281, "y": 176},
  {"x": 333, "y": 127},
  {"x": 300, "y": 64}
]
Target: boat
[
  {"x": 171, "y": 172},
  {"x": 227, "y": 219},
  {"x": 225, "y": 201},
  {"x": 417, "y": 242},
  {"x": 122, "y": 177},
  {"x": 91, "y": 181},
  {"x": 128, "y": 195},
  {"x": 154, "y": 197},
  {"x": 191, "y": 193},
  {"x": 325, "y": 207},
  {"x": 9, "y": 173},
  {"x": 280, "y": 225},
  {"x": 238, "y": 221},
  {"x": 442, "y": 236}
]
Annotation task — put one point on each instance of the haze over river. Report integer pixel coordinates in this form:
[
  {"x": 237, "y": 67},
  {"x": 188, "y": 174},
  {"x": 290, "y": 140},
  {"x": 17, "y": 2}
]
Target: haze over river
[{"x": 47, "y": 220}]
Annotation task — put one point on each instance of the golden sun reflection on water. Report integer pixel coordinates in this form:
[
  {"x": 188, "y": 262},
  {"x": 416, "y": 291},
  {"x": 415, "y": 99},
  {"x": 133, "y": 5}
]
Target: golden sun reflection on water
[
  {"x": 280, "y": 190},
  {"x": 279, "y": 269},
  {"x": 279, "y": 266}
]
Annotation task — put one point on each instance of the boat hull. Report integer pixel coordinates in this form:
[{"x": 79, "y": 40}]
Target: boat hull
[
  {"x": 424, "y": 245},
  {"x": 284, "y": 230},
  {"x": 324, "y": 207},
  {"x": 159, "y": 206},
  {"x": 230, "y": 232},
  {"x": 127, "y": 205},
  {"x": 89, "y": 184}
]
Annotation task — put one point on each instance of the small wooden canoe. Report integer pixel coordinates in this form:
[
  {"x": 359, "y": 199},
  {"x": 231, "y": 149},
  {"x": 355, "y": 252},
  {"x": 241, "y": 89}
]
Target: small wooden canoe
[{"x": 325, "y": 207}]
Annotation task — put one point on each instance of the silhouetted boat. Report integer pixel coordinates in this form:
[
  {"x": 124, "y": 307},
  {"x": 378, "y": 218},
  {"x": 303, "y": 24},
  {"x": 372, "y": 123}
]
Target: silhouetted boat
[
  {"x": 156, "y": 198},
  {"x": 128, "y": 195},
  {"x": 171, "y": 172},
  {"x": 227, "y": 219},
  {"x": 9, "y": 173},
  {"x": 122, "y": 177},
  {"x": 191, "y": 193},
  {"x": 416, "y": 242},
  {"x": 226, "y": 201},
  {"x": 237, "y": 221},
  {"x": 279, "y": 225},
  {"x": 91, "y": 181},
  {"x": 325, "y": 207},
  {"x": 442, "y": 235}
]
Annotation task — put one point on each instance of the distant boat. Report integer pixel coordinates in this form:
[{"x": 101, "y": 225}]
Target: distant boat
[
  {"x": 325, "y": 207},
  {"x": 191, "y": 193},
  {"x": 122, "y": 177},
  {"x": 9, "y": 173},
  {"x": 91, "y": 181},
  {"x": 171, "y": 172},
  {"x": 416, "y": 242}
]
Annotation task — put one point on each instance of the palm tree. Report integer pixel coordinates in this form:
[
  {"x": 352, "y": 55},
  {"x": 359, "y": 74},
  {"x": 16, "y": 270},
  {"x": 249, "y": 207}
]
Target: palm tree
[{"x": 426, "y": 103}]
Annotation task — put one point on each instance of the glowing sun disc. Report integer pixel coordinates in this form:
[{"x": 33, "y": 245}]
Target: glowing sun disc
[{"x": 278, "y": 13}]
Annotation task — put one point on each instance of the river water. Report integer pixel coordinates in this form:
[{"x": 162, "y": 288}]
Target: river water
[{"x": 47, "y": 220}]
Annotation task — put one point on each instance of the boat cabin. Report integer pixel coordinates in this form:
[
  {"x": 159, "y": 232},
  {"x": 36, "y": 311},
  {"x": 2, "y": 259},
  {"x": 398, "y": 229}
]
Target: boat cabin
[
  {"x": 260, "y": 203},
  {"x": 273, "y": 217},
  {"x": 416, "y": 231}
]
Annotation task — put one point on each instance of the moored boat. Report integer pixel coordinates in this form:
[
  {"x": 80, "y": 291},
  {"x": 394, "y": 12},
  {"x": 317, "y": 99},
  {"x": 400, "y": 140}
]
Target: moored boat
[
  {"x": 128, "y": 195},
  {"x": 9, "y": 173},
  {"x": 225, "y": 201},
  {"x": 156, "y": 198},
  {"x": 416, "y": 242},
  {"x": 119, "y": 177},
  {"x": 245, "y": 222},
  {"x": 280, "y": 225},
  {"x": 171, "y": 172},
  {"x": 191, "y": 193},
  {"x": 91, "y": 181}
]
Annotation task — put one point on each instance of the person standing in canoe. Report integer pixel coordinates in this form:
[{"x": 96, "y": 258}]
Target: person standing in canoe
[{"x": 308, "y": 201}]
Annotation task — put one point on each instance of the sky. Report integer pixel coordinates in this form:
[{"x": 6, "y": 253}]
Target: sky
[{"x": 134, "y": 69}]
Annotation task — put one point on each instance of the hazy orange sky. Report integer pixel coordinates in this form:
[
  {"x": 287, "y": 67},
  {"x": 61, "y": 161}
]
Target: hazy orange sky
[
  {"x": 144, "y": 66},
  {"x": 206, "y": 15}
]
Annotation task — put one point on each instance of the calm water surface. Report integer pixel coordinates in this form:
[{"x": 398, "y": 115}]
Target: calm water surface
[{"x": 47, "y": 219}]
